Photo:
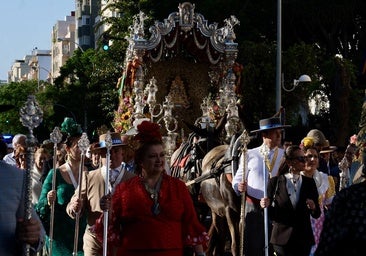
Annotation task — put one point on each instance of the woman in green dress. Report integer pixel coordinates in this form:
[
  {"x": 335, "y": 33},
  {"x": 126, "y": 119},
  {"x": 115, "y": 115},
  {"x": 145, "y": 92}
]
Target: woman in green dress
[{"x": 66, "y": 182}]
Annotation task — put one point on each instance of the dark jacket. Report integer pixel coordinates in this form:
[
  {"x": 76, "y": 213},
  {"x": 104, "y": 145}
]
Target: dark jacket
[{"x": 291, "y": 223}]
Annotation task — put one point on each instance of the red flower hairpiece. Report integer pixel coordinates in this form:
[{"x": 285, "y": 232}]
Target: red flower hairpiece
[{"x": 148, "y": 132}]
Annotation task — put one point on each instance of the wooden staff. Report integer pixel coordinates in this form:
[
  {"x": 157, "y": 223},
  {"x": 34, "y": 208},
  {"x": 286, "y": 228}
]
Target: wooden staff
[
  {"x": 30, "y": 116},
  {"x": 108, "y": 145},
  {"x": 83, "y": 146},
  {"x": 245, "y": 140},
  {"x": 265, "y": 151},
  {"x": 55, "y": 137}
]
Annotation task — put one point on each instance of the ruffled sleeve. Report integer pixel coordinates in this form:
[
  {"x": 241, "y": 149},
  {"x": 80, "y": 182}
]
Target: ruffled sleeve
[{"x": 194, "y": 232}]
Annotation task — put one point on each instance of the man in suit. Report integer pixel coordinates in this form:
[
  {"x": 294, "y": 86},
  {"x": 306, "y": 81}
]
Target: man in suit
[
  {"x": 93, "y": 188},
  {"x": 253, "y": 182},
  {"x": 15, "y": 230}
]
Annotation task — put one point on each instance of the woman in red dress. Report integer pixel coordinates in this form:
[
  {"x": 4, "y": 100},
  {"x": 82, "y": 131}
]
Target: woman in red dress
[{"x": 153, "y": 214}]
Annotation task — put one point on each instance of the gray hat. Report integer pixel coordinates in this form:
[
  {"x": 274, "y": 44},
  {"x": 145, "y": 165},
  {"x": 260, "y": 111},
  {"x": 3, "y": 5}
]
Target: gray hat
[{"x": 318, "y": 137}]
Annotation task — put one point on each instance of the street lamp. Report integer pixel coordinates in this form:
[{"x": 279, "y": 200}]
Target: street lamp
[
  {"x": 279, "y": 74},
  {"x": 70, "y": 41},
  {"x": 49, "y": 73},
  {"x": 279, "y": 55},
  {"x": 38, "y": 68},
  {"x": 302, "y": 79}
]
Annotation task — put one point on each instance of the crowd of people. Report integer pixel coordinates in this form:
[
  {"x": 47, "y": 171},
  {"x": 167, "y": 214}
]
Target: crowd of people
[
  {"x": 298, "y": 194},
  {"x": 71, "y": 194}
]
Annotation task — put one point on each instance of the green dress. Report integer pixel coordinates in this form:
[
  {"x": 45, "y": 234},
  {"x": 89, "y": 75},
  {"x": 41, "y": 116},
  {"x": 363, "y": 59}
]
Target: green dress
[{"x": 64, "y": 226}]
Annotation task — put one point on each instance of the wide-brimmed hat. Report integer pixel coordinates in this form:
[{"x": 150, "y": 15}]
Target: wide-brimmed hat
[
  {"x": 269, "y": 124},
  {"x": 318, "y": 137},
  {"x": 117, "y": 140},
  {"x": 327, "y": 148}
]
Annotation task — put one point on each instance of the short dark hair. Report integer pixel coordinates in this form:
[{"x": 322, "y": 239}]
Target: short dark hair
[{"x": 141, "y": 152}]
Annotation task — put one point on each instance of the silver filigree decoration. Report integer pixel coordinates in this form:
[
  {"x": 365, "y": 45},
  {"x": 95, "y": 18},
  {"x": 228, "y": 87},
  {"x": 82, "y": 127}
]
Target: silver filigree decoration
[
  {"x": 173, "y": 42},
  {"x": 31, "y": 115},
  {"x": 264, "y": 150},
  {"x": 138, "y": 25},
  {"x": 245, "y": 139},
  {"x": 231, "y": 22},
  {"x": 199, "y": 46},
  {"x": 83, "y": 143},
  {"x": 108, "y": 140},
  {"x": 186, "y": 16},
  {"x": 56, "y": 135}
]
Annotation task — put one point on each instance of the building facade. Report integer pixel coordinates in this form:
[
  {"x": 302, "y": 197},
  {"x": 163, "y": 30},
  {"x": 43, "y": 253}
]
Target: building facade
[
  {"x": 63, "y": 42},
  {"x": 79, "y": 30}
]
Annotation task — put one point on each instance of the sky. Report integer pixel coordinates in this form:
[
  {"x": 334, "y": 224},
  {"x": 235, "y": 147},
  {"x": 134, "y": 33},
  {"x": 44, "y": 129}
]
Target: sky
[{"x": 26, "y": 24}]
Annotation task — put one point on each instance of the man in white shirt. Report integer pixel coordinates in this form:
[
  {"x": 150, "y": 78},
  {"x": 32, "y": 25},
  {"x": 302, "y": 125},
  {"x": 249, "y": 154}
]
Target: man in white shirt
[
  {"x": 254, "y": 181},
  {"x": 18, "y": 140}
]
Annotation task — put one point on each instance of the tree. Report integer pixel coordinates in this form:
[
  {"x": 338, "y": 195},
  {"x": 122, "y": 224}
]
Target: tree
[{"x": 313, "y": 34}]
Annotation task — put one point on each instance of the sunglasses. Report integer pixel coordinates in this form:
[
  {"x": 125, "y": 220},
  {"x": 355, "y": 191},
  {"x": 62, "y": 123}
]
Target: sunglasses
[{"x": 301, "y": 159}]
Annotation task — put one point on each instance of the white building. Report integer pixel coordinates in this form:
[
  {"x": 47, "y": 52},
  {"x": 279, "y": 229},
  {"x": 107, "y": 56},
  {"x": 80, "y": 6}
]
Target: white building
[
  {"x": 63, "y": 42},
  {"x": 19, "y": 70},
  {"x": 32, "y": 67}
]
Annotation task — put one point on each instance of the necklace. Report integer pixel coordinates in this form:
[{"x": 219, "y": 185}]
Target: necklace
[
  {"x": 154, "y": 195},
  {"x": 151, "y": 191}
]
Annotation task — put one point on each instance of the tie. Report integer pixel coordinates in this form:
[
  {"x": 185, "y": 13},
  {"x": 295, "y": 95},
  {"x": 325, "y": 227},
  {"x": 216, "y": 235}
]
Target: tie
[{"x": 129, "y": 167}]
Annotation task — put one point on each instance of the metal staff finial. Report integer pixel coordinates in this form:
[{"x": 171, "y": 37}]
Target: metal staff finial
[
  {"x": 30, "y": 116},
  {"x": 108, "y": 144},
  {"x": 245, "y": 139},
  {"x": 55, "y": 138},
  {"x": 264, "y": 150},
  {"x": 83, "y": 145}
]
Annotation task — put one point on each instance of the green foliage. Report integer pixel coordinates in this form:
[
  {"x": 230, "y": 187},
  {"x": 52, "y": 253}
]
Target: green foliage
[
  {"x": 258, "y": 81},
  {"x": 313, "y": 33},
  {"x": 14, "y": 94}
]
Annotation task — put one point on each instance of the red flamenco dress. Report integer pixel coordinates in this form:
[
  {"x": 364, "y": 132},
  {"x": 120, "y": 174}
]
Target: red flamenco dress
[{"x": 137, "y": 230}]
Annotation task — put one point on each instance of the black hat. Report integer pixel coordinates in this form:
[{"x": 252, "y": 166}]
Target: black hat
[{"x": 269, "y": 124}]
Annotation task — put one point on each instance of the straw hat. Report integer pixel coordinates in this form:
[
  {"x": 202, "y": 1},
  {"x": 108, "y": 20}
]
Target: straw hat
[
  {"x": 117, "y": 140},
  {"x": 327, "y": 148}
]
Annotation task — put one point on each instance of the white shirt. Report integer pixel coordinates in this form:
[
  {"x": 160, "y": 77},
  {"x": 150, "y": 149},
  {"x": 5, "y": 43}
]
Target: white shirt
[
  {"x": 9, "y": 159},
  {"x": 254, "y": 172},
  {"x": 36, "y": 184}
]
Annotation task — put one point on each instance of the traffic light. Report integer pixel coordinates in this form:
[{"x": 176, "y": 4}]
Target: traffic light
[{"x": 105, "y": 42}]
